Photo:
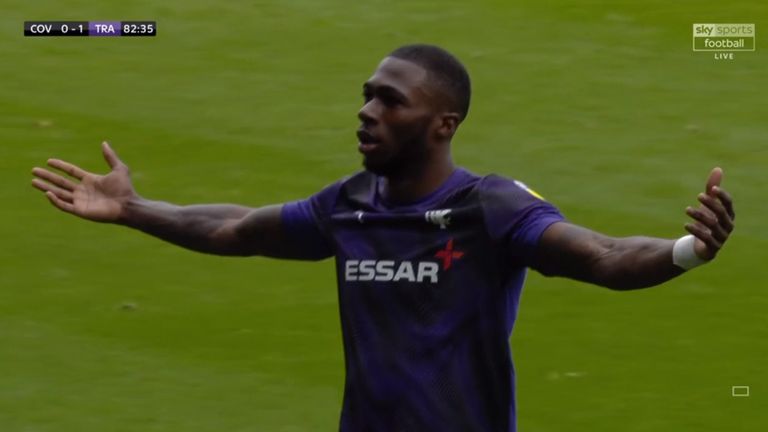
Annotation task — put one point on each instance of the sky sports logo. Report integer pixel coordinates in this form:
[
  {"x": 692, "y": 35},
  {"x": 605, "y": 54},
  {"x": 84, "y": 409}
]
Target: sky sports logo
[{"x": 724, "y": 37}]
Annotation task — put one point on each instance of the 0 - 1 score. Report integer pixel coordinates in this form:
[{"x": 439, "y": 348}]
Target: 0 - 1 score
[{"x": 78, "y": 28}]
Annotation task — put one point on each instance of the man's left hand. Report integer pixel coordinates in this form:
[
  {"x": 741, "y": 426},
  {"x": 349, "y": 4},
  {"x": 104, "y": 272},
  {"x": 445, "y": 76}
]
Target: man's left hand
[{"x": 713, "y": 219}]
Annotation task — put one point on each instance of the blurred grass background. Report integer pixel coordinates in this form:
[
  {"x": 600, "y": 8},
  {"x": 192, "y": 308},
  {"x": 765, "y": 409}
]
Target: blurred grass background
[{"x": 600, "y": 106}]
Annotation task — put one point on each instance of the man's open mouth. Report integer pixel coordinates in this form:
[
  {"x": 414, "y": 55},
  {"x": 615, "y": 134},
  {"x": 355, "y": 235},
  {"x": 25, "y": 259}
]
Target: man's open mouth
[{"x": 367, "y": 141}]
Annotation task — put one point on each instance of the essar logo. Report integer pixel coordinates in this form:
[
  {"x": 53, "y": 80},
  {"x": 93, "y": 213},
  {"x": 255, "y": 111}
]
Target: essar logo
[
  {"x": 448, "y": 255},
  {"x": 396, "y": 271}
]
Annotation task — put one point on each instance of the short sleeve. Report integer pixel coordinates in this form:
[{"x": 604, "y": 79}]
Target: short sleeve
[
  {"x": 305, "y": 222},
  {"x": 516, "y": 216}
]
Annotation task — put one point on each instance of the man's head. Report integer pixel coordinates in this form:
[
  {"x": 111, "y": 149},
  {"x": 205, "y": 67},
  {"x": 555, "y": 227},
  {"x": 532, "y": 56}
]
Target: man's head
[{"x": 415, "y": 100}]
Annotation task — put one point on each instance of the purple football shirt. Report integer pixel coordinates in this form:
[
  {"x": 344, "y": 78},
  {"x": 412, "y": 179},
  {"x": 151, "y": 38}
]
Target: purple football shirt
[{"x": 428, "y": 294}]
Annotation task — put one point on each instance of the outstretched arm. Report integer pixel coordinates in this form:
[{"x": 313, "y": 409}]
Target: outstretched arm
[
  {"x": 221, "y": 229},
  {"x": 635, "y": 262}
]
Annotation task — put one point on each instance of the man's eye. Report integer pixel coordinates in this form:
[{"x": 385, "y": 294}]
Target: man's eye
[
  {"x": 367, "y": 97},
  {"x": 390, "y": 100}
]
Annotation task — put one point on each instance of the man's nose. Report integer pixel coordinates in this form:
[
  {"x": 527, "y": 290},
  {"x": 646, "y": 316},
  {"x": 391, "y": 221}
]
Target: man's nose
[{"x": 367, "y": 113}]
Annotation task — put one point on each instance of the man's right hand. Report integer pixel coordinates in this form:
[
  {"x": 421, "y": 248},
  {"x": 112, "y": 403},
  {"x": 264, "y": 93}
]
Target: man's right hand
[
  {"x": 220, "y": 229},
  {"x": 100, "y": 198}
]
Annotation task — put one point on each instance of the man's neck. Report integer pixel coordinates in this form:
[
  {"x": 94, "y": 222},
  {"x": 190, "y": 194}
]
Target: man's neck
[{"x": 410, "y": 187}]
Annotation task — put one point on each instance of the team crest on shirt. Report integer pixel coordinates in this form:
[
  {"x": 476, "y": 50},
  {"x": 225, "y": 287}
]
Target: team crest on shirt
[{"x": 440, "y": 217}]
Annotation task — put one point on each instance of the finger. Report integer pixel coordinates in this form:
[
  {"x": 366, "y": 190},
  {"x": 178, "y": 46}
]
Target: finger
[
  {"x": 725, "y": 198},
  {"x": 715, "y": 177},
  {"x": 61, "y": 205},
  {"x": 47, "y": 187},
  {"x": 68, "y": 168},
  {"x": 718, "y": 210},
  {"x": 709, "y": 220},
  {"x": 53, "y": 178},
  {"x": 110, "y": 156},
  {"x": 41, "y": 185},
  {"x": 703, "y": 215},
  {"x": 703, "y": 234}
]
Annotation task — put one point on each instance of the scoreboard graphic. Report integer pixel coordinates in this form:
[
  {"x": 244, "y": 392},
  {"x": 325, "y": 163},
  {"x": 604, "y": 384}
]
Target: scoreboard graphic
[{"x": 89, "y": 28}]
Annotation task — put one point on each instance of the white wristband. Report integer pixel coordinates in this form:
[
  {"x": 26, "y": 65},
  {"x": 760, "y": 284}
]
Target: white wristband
[{"x": 683, "y": 254}]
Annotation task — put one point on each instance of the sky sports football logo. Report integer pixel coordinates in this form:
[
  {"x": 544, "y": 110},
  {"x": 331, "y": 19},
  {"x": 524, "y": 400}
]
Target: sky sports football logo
[{"x": 724, "y": 38}]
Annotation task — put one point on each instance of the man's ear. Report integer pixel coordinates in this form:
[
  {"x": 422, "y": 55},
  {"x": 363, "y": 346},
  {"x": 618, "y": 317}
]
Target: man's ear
[{"x": 447, "y": 125}]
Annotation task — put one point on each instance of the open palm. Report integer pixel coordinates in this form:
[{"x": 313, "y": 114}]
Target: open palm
[{"x": 100, "y": 198}]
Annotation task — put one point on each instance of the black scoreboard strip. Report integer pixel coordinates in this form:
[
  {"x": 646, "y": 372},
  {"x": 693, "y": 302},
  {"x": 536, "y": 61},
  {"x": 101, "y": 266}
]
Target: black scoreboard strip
[{"x": 89, "y": 28}]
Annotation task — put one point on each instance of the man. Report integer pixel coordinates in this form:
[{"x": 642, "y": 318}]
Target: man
[{"x": 430, "y": 258}]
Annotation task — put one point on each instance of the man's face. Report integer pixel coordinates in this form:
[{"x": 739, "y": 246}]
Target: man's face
[{"x": 395, "y": 118}]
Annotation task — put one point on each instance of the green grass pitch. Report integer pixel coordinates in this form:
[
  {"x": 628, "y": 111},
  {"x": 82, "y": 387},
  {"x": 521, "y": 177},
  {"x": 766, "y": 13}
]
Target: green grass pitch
[{"x": 601, "y": 106}]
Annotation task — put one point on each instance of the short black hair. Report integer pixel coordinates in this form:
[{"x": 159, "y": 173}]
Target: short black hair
[{"x": 445, "y": 70}]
